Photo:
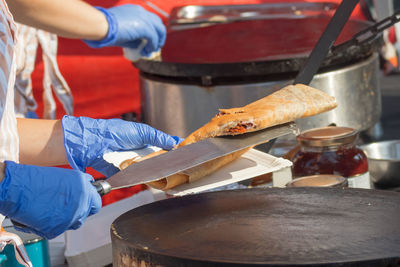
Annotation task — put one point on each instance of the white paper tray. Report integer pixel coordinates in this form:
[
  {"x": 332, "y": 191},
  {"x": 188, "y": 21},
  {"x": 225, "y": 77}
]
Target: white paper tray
[{"x": 251, "y": 164}]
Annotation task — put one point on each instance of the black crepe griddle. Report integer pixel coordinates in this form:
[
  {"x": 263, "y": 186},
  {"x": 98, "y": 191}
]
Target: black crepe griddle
[{"x": 291, "y": 226}]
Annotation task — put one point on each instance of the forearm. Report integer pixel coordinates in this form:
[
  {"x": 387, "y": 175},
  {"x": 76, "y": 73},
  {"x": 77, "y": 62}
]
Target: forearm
[
  {"x": 71, "y": 19},
  {"x": 41, "y": 142}
]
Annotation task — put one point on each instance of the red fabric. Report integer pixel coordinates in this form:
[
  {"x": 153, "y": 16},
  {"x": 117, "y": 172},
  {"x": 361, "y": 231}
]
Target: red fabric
[
  {"x": 120, "y": 194},
  {"x": 104, "y": 84}
]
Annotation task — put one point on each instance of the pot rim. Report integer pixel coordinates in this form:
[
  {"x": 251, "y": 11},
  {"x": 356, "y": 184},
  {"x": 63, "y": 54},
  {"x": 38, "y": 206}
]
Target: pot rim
[{"x": 381, "y": 143}]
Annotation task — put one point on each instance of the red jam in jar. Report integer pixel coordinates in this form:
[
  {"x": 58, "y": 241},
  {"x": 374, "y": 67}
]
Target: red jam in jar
[{"x": 331, "y": 150}]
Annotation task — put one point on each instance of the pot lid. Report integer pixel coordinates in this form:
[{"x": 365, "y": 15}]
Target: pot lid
[
  {"x": 251, "y": 47},
  {"x": 249, "y": 41}
]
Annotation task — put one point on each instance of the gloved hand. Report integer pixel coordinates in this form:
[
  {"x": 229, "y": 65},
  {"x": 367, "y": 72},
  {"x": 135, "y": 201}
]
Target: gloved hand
[
  {"x": 128, "y": 26},
  {"x": 86, "y": 140},
  {"x": 47, "y": 200}
]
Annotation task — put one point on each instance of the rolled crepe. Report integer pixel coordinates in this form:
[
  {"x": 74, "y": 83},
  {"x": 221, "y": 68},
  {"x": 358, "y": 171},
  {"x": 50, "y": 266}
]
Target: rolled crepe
[{"x": 287, "y": 104}]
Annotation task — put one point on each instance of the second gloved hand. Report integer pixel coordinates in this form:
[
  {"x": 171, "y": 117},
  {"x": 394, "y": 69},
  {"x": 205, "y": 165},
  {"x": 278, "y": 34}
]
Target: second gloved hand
[
  {"x": 47, "y": 200},
  {"x": 128, "y": 26},
  {"x": 86, "y": 140}
]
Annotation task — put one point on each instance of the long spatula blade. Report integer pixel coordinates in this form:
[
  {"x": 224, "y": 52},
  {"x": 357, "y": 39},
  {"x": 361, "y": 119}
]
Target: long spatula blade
[{"x": 189, "y": 156}]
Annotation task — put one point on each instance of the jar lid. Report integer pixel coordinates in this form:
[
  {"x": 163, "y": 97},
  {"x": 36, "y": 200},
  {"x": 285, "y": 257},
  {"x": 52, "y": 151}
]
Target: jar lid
[
  {"x": 320, "y": 180},
  {"x": 327, "y": 136}
]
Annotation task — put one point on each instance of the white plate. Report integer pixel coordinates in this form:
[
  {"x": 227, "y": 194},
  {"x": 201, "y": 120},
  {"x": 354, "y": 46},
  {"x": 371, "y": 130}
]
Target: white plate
[{"x": 251, "y": 164}]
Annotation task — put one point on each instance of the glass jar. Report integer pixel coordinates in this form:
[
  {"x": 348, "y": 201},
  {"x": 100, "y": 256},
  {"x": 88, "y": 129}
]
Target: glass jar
[{"x": 331, "y": 150}]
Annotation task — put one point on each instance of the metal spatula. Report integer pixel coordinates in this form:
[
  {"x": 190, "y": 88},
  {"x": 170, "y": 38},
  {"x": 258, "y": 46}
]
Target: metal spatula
[{"x": 187, "y": 157}]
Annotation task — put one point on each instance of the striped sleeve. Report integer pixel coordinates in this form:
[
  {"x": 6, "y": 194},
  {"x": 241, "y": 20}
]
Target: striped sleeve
[{"x": 8, "y": 124}]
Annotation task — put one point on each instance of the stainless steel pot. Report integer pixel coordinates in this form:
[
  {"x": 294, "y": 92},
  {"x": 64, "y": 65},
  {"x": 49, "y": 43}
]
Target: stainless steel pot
[
  {"x": 384, "y": 162},
  {"x": 180, "y": 108}
]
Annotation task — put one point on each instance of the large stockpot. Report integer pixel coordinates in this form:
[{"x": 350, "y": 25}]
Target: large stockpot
[
  {"x": 208, "y": 66},
  {"x": 180, "y": 108}
]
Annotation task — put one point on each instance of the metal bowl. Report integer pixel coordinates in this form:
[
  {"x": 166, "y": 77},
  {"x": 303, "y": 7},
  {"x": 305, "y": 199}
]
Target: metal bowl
[{"x": 384, "y": 162}]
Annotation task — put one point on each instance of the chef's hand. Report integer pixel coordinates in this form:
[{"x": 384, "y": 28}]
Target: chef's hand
[
  {"x": 47, "y": 200},
  {"x": 86, "y": 140},
  {"x": 128, "y": 25}
]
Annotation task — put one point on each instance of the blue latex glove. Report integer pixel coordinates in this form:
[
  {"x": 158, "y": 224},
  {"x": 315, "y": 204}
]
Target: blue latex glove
[
  {"x": 128, "y": 26},
  {"x": 86, "y": 140},
  {"x": 47, "y": 200}
]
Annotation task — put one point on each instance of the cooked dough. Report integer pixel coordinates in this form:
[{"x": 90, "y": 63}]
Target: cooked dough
[{"x": 288, "y": 104}]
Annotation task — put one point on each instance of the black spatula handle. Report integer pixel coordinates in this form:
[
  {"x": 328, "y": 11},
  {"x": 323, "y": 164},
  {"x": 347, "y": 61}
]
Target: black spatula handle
[{"x": 326, "y": 41}]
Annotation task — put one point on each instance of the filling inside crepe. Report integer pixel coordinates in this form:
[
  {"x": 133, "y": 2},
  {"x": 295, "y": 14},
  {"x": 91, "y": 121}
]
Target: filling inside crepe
[{"x": 241, "y": 128}]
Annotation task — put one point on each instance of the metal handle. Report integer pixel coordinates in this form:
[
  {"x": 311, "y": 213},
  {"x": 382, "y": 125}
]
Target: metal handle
[
  {"x": 102, "y": 187},
  {"x": 369, "y": 33}
]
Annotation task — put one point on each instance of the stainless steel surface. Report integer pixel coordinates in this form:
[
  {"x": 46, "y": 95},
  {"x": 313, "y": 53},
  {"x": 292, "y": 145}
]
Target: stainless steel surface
[
  {"x": 384, "y": 162},
  {"x": 197, "y": 15},
  {"x": 190, "y": 156},
  {"x": 325, "y": 42},
  {"x": 180, "y": 109},
  {"x": 357, "y": 92}
]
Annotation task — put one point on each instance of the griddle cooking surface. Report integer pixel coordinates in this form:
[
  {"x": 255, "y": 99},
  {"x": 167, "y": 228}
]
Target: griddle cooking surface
[{"x": 266, "y": 226}]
